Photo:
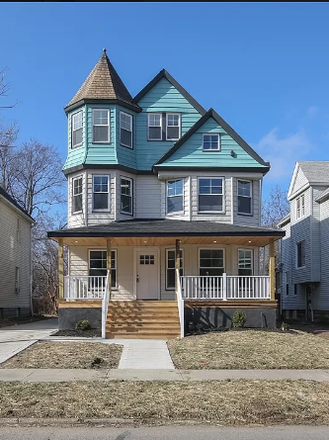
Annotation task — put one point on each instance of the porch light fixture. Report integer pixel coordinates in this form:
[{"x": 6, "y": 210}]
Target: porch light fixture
[
  {"x": 75, "y": 241},
  {"x": 249, "y": 241},
  {"x": 145, "y": 241},
  {"x": 215, "y": 241}
]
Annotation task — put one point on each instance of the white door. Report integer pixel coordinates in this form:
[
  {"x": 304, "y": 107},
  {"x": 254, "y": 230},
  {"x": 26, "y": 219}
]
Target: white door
[{"x": 147, "y": 277}]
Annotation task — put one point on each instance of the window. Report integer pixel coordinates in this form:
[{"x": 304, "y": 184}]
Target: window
[
  {"x": 244, "y": 197},
  {"x": 173, "y": 127},
  {"x": 126, "y": 205},
  {"x": 295, "y": 289},
  {"x": 76, "y": 122},
  {"x": 175, "y": 196},
  {"x": 211, "y": 262},
  {"x": 287, "y": 283},
  {"x": 301, "y": 254},
  {"x": 210, "y": 142},
  {"x": 211, "y": 195},
  {"x": 146, "y": 260},
  {"x": 101, "y": 132},
  {"x": 98, "y": 265},
  {"x": 245, "y": 262},
  {"x": 126, "y": 130},
  {"x": 77, "y": 194},
  {"x": 17, "y": 280},
  {"x": 18, "y": 230},
  {"x": 101, "y": 193},
  {"x": 170, "y": 268},
  {"x": 300, "y": 206},
  {"x": 154, "y": 126}
]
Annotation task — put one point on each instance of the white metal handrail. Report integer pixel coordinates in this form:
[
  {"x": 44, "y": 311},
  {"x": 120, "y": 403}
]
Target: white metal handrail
[
  {"x": 105, "y": 304},
  {"x": 78, "y": 287},
  {"x": 180, "y": 303}
]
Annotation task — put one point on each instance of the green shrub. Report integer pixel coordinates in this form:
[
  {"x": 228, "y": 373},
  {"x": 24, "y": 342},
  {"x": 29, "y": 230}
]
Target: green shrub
[
  {"x": 239, "y": 318},
  {"x": 84, "y": 324},
  {"x": 284, "y": 326}
]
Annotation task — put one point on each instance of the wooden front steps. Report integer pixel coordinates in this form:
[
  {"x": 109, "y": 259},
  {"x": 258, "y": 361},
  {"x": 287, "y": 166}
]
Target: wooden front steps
[{"x": 142, "y": 320}]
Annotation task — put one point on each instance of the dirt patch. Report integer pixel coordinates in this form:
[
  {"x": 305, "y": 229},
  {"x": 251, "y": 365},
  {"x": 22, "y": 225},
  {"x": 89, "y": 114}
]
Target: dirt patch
[
  {"x": 250, "y": 349},
  {"x": 82, "y": 355},
  {"x": 235, "y": 402},
  {"x": 92, "y": 333},
  {"x": 15, "y": 321}
]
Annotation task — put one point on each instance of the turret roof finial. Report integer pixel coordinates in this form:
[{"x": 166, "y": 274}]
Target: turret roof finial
[{"x": 104, "y": 51}]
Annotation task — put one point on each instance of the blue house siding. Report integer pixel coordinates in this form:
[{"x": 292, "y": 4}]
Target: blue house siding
[
  {"x": 75, "y": 156},
  {"x": 126, "y": 156},
  {"x": 191, "y": 153},
  {"x": 163, "y": 97}
]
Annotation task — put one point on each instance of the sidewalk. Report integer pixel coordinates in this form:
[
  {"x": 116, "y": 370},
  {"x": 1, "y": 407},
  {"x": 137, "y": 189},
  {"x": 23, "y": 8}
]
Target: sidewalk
[{"x": 40, "y": 375}]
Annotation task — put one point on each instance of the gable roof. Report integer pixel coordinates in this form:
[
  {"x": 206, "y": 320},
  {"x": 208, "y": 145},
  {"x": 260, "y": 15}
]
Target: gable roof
[
  {"x": 164, "y": 74},
  {"x": 314, "y": 172},
  {"x": 103, "y": 83},
  {"x": 229, "y": 130},
  {"x": 5, "y": 195},
  {"x": 323, "y": 196}
]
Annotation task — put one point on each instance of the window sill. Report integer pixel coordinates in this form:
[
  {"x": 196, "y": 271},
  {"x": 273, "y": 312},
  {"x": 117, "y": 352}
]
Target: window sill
[
  {"x": 101, "y": 143},
  {"x": 127, "y": 146},
  {"x": 173, "y": 214},
  {"x": 126, "y": 213},
  {"x": 105, "y": 211},
  {"x": 217, "y": 149},
  {"x": 77, "y": 212},
  {"x": 245, "y": 214},
  {"x": 301, "y": 267},
  {"x": 211, "y": 212},
  {"x": 76, "y": 146}
]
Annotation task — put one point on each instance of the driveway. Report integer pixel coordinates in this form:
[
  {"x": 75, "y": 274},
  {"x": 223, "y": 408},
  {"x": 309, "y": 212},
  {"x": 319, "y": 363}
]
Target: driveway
[{"x": 16, "y": 338}]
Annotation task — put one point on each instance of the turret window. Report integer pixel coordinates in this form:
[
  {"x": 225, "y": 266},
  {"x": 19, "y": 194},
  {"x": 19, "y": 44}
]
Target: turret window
[
  {"x": 101, "y": 193},
  {"x": 126, "y": 130},
  {"x": 76, "y": 122},
  {"x": 77, "y": 195},
  {"x": 101, "y": 126}
]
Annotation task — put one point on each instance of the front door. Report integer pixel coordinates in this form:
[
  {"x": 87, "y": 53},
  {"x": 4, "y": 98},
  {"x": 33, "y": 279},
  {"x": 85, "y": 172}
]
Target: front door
[{"x": 147, "y": 274}]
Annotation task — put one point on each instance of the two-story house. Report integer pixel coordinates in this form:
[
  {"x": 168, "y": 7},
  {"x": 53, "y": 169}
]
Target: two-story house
[
  {"x": 164, "y": 203},
  {"x": 15, "y": 259},
  {"x": 304, "y": 249}
]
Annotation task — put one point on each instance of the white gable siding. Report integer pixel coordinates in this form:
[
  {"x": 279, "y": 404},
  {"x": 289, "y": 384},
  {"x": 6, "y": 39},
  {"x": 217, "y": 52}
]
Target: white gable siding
[{"x": 300, "y": 181}]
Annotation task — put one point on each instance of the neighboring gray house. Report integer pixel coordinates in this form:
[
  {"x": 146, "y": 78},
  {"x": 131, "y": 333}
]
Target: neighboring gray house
[
  {"x": 304, "y": 249},
  {"x": 15, "y": 259}
]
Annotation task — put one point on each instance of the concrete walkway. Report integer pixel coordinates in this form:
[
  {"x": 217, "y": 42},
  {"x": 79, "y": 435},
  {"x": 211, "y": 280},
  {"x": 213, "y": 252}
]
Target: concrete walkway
[
  {"x": 40, "y": 375},
  {"x": 145, "y": 354}
]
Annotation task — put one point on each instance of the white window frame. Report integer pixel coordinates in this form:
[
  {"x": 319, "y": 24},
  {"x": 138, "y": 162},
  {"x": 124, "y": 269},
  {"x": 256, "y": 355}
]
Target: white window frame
[
  {"x": 73, "y": 117},
  {"x": 115, "y": 268},
  {"x": 17, "y": 280},
  {"x": 131, "y": 129},
  {"x": 223, "y": 195},
  {"x": 148, "y": 126},
  {"x": 131, "y": 195},
  {"x": 108, "y": 141},
  {"x": 176, "y": 195},
  {"x": 250, "y": 197},
  {"x": 300, "y": 207},
  {"x": 218, "y": 141},
  {"x": 108, "y": 193},
  {"x": 210, "y": 249},
  {"x": 167, "y": 268},
  {"x": 75, "y": 195},
  {"x": 252, "y": 260},
  {"x": 179, "y": 126},
  {"x": 303, "y": 265}
]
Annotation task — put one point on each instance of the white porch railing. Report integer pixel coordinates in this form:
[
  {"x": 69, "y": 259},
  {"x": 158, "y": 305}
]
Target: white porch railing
[
  {"x": 225, "y": 287},
  {"x": 180, "y": 303},
  {"x": 83, "y": 287},
  {"x": 105, "y": 304}
]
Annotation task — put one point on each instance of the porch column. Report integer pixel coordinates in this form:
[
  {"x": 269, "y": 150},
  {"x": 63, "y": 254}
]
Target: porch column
[
  {"x": 177, "y": 261},
  {"x": 60, "y": 270},
  {"x": 272, "y": 270},
  {"x": 108, "y": 262}
]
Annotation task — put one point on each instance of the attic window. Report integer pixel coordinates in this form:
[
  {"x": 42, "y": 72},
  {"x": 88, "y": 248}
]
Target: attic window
[
  {"x": 76, "y": 123},
  {"x": 300, "y": 207},
  {"x": 101, "y": 126},
  {"x": 126, "y": 128},
  {"x": 210, "y": 142},
  {"x": 173, "y": 126}
]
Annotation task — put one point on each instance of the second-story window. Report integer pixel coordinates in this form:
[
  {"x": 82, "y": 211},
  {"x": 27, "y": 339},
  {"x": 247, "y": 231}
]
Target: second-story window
[
  {"x": 172, "y": 126},
  {"x": 154, "y": 126},
  {"x": 126, "y": 130},
  {"x": 211, "y": 195},
  {"x": 126, "y": 197},
  {"x": 175, "y": 196},
  {"x": 101, "y": 193},
  {"x": 164, "y": 126},
  {"x": 76, "y": 123},
  {"x": 101, "y": 126},
  {"x": 244, "y": 197},
  {"x": 77, "y": 195},
  {"x": 210, "y": 142},
  {"x": 301, "y": 254},
  {"x": 300, "y": 207}
]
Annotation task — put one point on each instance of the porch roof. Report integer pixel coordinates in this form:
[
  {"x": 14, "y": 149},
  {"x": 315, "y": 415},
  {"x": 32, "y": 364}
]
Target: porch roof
[{"x": 165, "y": 231}]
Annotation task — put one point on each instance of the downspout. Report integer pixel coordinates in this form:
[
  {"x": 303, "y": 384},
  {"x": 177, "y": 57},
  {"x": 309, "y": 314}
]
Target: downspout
[{"x": 31, "y": 275}]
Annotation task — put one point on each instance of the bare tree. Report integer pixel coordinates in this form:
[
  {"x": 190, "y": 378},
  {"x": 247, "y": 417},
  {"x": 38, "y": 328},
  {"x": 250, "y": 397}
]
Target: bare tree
[{"x": 275, "y": 207}]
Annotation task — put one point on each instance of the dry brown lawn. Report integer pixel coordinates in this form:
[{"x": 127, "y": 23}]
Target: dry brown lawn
[
  {"x": 235, "y": 402},
  {"x": 51, "y": 354},
  {"x": 249, "y": 349}
]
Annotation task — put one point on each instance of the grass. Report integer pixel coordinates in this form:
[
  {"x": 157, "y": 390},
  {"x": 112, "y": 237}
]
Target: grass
[
  {"x": 235, "y": 402},
  {"x": 67, "y": 355},
  {"x": 250, "y": 349}
]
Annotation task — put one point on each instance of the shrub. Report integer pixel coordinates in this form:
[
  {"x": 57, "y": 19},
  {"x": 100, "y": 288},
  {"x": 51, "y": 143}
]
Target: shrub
[
  {"x": 239, "y": 318},
  {"x": 84, "y": 324},
  {"x": 284, "y": 326}
]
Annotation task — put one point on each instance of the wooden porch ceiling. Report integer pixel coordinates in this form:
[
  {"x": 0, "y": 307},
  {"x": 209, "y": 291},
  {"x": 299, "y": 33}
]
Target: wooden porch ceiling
[{"x": 165, "y": 241}]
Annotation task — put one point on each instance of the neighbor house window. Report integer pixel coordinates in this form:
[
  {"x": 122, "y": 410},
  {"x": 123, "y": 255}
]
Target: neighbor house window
[
  {"x": 300, "y": 206},
  {"x": 126, "y": 197},
  {"x": 245, "y": 262},
  {"x": 175, "y": 196},
  {"x": 76, "y": 122},
  {"x": 17, "y": 280},
  {"x": 170, "y": 268},
  {"x": 77, "y": 194},
  {"x": 211, "y": 262},
  {"x": 172, "y": 126},
  {"x": 98, "y": 265},
  {"x": 301, "y": 254},
  {"x": 101, "y": 193},
  {"x": 154, "y": 126},
  {"x": 18, "y": 230},
  {"x": 244, "y": 196},
  {"x": 101, "y": 126},
  {"x": 287, "y": 283},
  {"x": 210, "y": 142},
  {"x": 295, "y": 289},
  {"x": 210, "y": 195},
  {"x": 126, "y": 130}
]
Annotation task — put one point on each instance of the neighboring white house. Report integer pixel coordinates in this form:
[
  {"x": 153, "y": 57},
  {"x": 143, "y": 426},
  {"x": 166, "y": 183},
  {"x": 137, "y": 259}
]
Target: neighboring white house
[
  {"x": 305, "y": 247},
  {"x": 15, "y": 259}
]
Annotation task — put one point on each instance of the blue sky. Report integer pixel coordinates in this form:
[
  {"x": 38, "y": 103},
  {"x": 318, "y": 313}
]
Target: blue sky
[{"x": 263, "y": 67}]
